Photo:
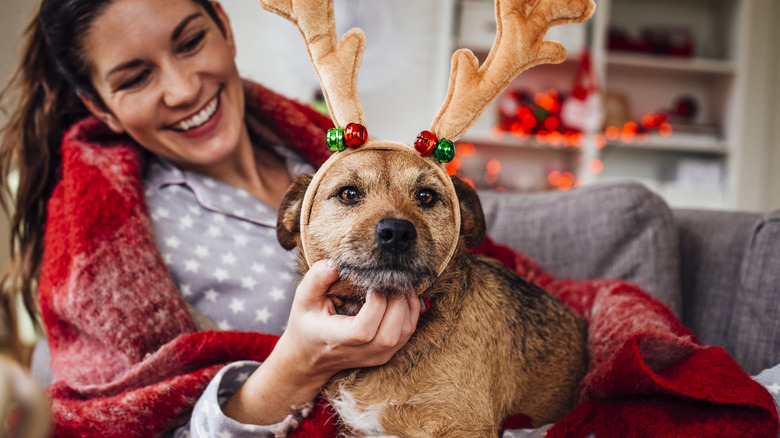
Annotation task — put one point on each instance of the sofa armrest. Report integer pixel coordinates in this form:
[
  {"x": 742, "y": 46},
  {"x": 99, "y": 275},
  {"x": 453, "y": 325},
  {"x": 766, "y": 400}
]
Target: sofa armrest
[
  {"x": 712, "y": 245},
  {"x": 614, "y": 230},
  {"x": 731, "y": 284},
  {"x": 754, "y": 329}
]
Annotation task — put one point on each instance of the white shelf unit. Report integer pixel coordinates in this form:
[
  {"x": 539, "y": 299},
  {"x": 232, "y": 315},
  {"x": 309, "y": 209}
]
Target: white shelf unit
[
  {"x": 690, "y": 168},
  {"x": 696, "y": 170}
]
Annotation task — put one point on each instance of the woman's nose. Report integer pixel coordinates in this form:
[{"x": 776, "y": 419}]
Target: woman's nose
[{"x": 180, "y": 85}]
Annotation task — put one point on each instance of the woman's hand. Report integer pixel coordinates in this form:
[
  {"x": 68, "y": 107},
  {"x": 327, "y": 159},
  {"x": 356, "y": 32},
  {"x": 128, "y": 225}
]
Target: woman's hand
[
  {"x": 319, "y": 343},
  {"x": 326, "y": 343}
]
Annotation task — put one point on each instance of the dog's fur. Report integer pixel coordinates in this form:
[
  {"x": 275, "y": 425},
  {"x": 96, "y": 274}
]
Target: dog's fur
[{"x": 492, "y": 344}]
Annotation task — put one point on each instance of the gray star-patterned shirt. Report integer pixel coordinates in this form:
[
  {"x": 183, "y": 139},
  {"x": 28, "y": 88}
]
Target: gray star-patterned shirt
[{"x": 219, "y": 243}]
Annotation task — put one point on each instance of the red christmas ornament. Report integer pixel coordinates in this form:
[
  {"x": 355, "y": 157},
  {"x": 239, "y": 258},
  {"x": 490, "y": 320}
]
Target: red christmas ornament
[
  {"x": 355, "y": 135},
  {"x": 426, "y": 142}
]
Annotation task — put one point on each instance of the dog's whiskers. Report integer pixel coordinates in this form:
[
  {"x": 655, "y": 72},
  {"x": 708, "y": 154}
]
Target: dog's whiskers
[{"x": 386, "y": 280}]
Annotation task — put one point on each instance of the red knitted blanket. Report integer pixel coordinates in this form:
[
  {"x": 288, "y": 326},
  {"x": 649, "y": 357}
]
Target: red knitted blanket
[{"x": 129, "y": 363}]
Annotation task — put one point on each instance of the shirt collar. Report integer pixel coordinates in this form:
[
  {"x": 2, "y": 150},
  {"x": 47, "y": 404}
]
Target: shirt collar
[{"x": 220, "y": 197}]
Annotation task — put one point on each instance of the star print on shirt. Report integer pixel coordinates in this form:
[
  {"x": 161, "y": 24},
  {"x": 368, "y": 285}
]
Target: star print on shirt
[
  {"x": 186, "y": 222},
  {"x": 162, "y": 212},
  {"x": 191, "y": 266},
  {"x": 220, "y": 274},
  {"x": 172, "y": 242},
  {"x": 262, "y": 315},
  {"x": 237, "y": 305},
  {"x": 277, "y": 294},
  {"x": 214, "y": 231},
  {"x": 201, "y": 251},
  {"x": 229, "y": 259},
  {"x": 240, "y": 240},
  {"x": 222, "y": 251},
  {"x": 212, "y": 295},
  {"x": 248, "y": 283}
]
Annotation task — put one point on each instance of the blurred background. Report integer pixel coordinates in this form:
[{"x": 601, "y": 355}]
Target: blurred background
[{"x": 681, "y": 95}]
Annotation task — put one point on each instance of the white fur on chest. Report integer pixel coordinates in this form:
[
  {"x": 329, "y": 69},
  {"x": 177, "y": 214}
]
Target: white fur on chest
[{"x": 363, "y": 420}]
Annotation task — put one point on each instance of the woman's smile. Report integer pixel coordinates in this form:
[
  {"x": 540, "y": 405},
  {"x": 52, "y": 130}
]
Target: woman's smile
[{"x": 202, "y": 122}]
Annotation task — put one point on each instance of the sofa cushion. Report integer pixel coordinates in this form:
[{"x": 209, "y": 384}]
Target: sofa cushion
[
  {"x": 613, "y": 230},
  {"x": 754, "y": 329}
]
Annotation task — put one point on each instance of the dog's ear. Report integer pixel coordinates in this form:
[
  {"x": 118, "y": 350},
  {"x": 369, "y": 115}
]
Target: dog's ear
[
  {"x": 288, "y": 224},
  {"x": 472, "y": 219}
]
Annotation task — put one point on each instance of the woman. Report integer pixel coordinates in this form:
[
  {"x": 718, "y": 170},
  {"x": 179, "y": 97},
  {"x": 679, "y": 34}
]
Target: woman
[{"x": 160, "y": 75}]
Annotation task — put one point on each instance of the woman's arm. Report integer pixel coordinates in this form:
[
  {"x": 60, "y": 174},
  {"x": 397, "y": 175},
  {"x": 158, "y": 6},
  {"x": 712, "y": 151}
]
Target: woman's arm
[{"x": 319, "y": 343}]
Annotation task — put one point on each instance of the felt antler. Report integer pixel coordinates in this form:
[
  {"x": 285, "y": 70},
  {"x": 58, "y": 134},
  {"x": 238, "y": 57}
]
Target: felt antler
[
  {"x": 518, "y": 46},
  {"x": 335, "y": 62}
]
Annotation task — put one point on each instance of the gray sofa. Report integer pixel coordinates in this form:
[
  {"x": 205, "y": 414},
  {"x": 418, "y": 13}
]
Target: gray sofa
[{"x": 718, "y": 271}]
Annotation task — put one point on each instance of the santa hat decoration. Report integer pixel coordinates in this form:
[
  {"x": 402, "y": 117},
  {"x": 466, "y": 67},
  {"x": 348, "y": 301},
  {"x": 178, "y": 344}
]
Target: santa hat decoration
[{"x": 519, "y": 45}]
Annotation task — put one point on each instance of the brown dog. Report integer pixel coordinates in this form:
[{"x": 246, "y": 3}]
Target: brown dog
[{"x": 492, "y": 344}]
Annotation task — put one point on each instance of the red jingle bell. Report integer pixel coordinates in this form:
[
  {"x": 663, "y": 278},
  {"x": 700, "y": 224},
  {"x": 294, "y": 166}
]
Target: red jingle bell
[
  {"x": 355, "y": 135},
  {"x": 426, "y": 142}
]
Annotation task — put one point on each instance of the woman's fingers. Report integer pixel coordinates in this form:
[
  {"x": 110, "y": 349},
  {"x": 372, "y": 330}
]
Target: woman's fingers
[
  {"x": 316, "y": 282},
  {"x": 364, "y": 325},
  {"x": 390, "y": 331},
  {"x": 410, "y": 324},
  {"x": 385, "y": 323}
]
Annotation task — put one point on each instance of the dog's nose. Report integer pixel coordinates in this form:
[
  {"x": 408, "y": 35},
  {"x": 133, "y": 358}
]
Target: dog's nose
[{"x": 396, "y": 235}]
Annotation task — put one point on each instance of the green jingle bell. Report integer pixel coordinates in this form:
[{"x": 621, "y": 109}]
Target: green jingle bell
[
  {"x": 445, "y": 151},
  {"x": 335, "y": 139}
]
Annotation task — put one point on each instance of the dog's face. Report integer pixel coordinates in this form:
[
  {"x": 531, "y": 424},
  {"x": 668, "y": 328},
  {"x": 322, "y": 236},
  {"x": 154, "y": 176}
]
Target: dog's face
[{"x": 385, "y": 217}]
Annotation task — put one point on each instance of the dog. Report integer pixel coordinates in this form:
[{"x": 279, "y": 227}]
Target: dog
[{"x": 491, "y": 345}]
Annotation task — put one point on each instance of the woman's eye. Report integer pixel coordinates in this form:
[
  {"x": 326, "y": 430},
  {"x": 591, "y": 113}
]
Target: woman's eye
[
  {"x": 193, "y": 43},
  {"x": 427, "y": 198},
  {"x": 349, "y": 195},
  {"x": 134, "y": 81}
]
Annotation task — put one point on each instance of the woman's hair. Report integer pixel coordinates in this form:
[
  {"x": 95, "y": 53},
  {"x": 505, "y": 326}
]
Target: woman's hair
[{"x": 44, "y": 93}]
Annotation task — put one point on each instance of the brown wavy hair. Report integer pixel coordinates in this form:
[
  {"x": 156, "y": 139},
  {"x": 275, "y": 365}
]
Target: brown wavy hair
[{"x": 41, "y": 101}]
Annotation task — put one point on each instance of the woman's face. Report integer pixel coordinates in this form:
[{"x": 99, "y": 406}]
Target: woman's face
[{"x": 167, "y": 77}]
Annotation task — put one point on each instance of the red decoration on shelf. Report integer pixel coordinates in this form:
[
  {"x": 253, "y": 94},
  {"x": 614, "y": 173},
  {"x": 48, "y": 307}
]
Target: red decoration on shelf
[
  {"x": 355, "y": 135},
  {"x": 525, "y": 115},
  {"x": 426, "y": 142}
]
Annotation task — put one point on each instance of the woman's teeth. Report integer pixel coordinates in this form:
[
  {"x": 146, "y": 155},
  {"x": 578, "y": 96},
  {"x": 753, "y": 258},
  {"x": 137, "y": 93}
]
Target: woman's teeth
[{"x": 200, "y": 118}]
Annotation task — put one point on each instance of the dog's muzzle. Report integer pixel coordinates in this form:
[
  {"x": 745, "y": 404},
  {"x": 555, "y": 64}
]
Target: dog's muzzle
[
  {"x": 395, "y": 235},
  {"x": 392, "y": 264}
]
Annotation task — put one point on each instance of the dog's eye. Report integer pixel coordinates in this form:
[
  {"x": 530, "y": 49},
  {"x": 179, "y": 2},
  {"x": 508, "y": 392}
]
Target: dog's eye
[
  {"x": 349, "y": 195},
  {"x": 427, "y": 198}
]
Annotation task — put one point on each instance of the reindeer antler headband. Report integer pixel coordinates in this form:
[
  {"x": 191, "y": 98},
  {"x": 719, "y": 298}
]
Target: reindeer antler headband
[{"x": 519, "y": 45}]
